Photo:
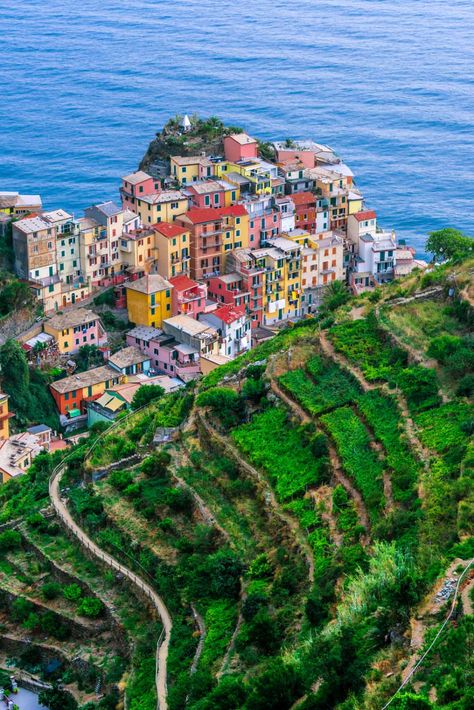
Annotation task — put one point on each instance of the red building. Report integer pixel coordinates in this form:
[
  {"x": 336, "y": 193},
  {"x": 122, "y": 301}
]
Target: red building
[
  {"x": 206, "y": 227},
  {"x": 135, "y": 186},
  {"x": 188, "y": 296},
  {"x": 229, "y": 289},
  {"x": 239, "y": 147},
  {"x": 305, "y": 210}
]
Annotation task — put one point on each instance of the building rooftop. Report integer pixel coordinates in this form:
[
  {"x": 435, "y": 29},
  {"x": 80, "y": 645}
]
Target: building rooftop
[
  {"x": 205, "y": 186},
  {"x": 14, "y": 450},
  {"x": 230, "y": 278},
  {"x": 242, "y": 138},
  {"x": 39, "y": 429},
  {"x": 237, "y": 178},
  {"x": 304, "y": 198},
  {"x": 364, "y": 216},
  {"x": 191, "y": 160},
  {"x": 71, "y": 319},
  {"x": 229, "y": 313},
  {"x": 168, "y": 229},
  {"x": 183, "y": 282},
  {"x": 162, "y": 197},
  {"x": 129, "y": 216},
  {"x": 84, "y": 379},
  {"x": 56, "y": 216},
  {"x": 128, "y": 356},
  {"x": 136, "y": 178},
  {"x": 189, "y": 325},
  {"x": 110, "y": 209},
  {"x": 32, "y": 224},
  {"x": 284, "y": 244},
  {"x": 151, "y": 283},
  {"x": 144, "y": 332}
]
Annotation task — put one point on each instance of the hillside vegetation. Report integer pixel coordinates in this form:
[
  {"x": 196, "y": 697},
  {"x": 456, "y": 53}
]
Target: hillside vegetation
[{"x": 305, "y": 527}]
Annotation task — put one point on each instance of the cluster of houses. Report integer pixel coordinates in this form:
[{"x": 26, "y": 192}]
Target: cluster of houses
[{"x": 208, "y": 259}]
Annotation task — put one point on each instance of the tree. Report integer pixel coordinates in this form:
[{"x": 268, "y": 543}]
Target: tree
[
  {"x": 335, "y": 295},
  {"x": 279, "y": 686},
  {"x": 146, "y": 394},
  {"x": 14, "y": 296},
  {"x": 56, "y": 699},
  {"x": 449, "y": 243},
  {"x": 87, "y": 357}
]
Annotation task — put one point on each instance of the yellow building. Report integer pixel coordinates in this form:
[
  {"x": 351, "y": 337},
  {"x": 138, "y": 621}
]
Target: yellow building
[
  {"x": 149, "y": 300},
  {"x": 235, "y": 229},
  {"x": 5, "y": 417},
  {"x": 257, "y": 175},
  {"x": 281, "y": 265},
  {"x": 173, "y": 247},
  {"x": 138, "y": 251},
  {"x": 75, "y": 328},
  {"x": 188, "y": 169},
  {"x": 161, "y": 207}
]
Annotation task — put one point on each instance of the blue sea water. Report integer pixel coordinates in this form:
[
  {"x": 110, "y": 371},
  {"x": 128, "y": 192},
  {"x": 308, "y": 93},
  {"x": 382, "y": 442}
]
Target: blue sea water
[{"x": 389, "y": 84}]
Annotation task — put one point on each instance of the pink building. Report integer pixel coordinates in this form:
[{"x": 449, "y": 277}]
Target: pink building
[
  {"x": 166, "y": 354},
  {"x": 188, "y": 296},
  {"x": 229, "y": 289},
  {"x": 137, "y": 185},
  {"x": 206, "y": 194},
  {"x": 265, "y": 225},
  {"x": 240, "y": 146}
]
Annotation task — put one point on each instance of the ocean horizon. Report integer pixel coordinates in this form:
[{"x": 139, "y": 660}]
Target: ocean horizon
[{"x": 389, "y": 84}]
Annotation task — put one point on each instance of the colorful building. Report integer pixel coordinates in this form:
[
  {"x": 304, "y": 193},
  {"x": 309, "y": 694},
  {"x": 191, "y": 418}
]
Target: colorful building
[
  {"x": 72, "y": 393},
  {"x": 74, "y": 329},
  {"x": 149, "y": 300},
  {"x": 188, "y": 296},
  {"x": 240, "y": 146},
  {"x": 163, "y": 206},
  {"x": 173, "y": 245},
  {"x": 138, "y": 251},
  {"x": 188, "y": 169},
  {"x": 233, "y": 326},
  {"x": 5, "y": 416},
  {"x": 135, "y": 186},
  {"x": 229, "y": 289}
]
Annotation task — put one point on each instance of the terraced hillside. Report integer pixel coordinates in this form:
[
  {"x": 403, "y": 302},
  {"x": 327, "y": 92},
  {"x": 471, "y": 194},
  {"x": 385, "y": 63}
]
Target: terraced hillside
[{"x": 301, "y": 541}]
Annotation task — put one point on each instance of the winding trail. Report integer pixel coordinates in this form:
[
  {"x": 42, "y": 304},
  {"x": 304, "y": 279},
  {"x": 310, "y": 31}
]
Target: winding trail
[
  {"x": 162, "y": 645},
  {"x": 269, "y": 494},
  {"x": 202, "y": 636},
  {"x": 329, "y": 350}
]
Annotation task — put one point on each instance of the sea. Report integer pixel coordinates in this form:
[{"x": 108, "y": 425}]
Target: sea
[{"x": 389, "y": 84}]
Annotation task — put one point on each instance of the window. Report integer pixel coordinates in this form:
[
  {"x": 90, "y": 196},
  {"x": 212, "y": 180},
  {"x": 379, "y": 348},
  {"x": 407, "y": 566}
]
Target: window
[
  {"x": 207, "y": 200},
  {"x": 168, "y": 293},
  {"x": 140, "y": 189}
]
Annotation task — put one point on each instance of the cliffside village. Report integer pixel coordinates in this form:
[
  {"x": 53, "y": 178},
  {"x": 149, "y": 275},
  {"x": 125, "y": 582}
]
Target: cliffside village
[{"x": 208, "y": 258}]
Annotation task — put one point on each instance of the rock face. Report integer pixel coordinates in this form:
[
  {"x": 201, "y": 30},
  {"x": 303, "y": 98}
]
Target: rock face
[{"x": 203, "y": 136}]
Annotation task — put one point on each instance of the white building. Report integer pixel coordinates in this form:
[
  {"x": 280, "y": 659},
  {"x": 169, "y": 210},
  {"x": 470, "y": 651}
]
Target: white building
[{"x": 233, "y": 326}]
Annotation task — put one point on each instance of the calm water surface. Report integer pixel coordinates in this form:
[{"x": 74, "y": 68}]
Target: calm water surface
[{"x": 388, "y": 83}]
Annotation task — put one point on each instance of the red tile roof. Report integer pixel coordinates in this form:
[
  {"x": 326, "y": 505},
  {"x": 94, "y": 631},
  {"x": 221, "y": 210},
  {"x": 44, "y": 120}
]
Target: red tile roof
[
  {"x": 303, "y": 198},
  {"x": 363, "y": 216},
  {"x": 229, "y": 313},
  {"x": 183, "y": 282},
  {"x": 199, "y": 215},
  {"x": 169, "y": 230},
  {"x": 232, "y": 211}
]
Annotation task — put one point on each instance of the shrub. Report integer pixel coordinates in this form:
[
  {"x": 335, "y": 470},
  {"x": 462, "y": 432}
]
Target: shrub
[
  {"x": 72, "y": 592},
  {"x": 10, "y": 540},
  {"x": 90, "y": 607},
  {"x": 465, "y": 386},
  {"x": 420, "y": 387},
  {"x": 51, "y": 590},
  {"x": 120, "y": 479},
  {"x": 225, "y": 403},
  {"x": 146, "y": 394}
]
